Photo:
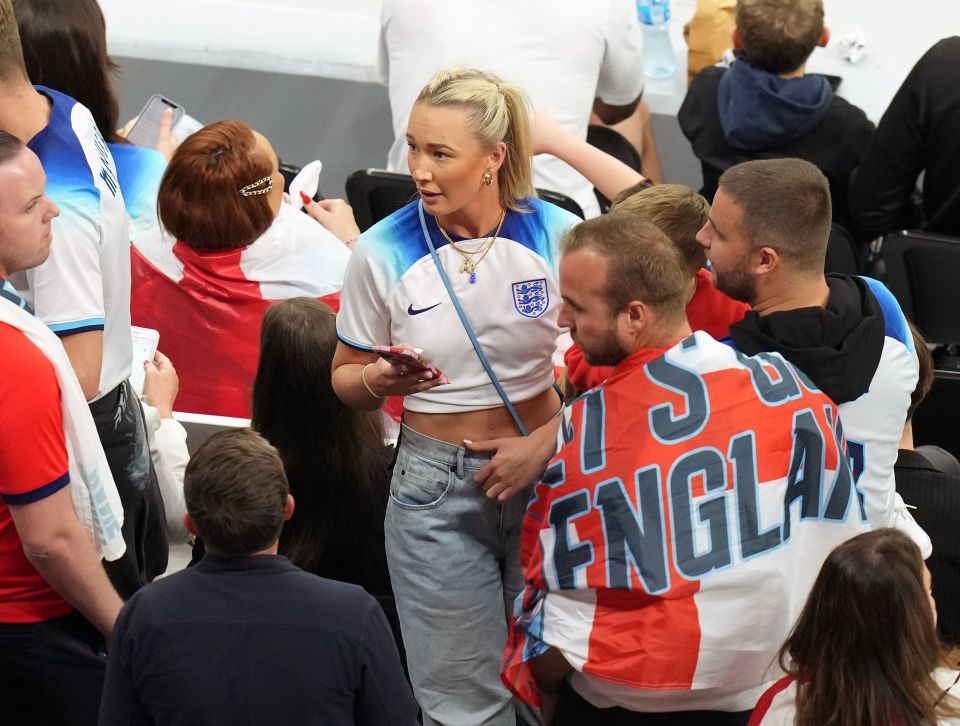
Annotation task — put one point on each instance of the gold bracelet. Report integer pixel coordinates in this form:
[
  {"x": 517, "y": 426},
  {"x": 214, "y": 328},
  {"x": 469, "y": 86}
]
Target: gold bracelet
[{"x": 363, "y": 377}]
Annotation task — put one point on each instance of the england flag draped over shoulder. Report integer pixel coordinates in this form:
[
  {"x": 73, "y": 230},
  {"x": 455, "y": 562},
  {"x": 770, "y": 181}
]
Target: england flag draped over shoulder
[
  {"x": 676, "y": 534},
  {"x": 208, "y": 305}
]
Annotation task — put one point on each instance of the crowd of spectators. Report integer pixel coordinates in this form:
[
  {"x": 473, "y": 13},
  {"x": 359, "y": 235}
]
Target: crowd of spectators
[{"x": 714, "y": 513}]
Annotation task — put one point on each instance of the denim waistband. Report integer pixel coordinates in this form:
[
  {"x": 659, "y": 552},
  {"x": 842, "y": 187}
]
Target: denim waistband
[{"x": 441, "y": 451}]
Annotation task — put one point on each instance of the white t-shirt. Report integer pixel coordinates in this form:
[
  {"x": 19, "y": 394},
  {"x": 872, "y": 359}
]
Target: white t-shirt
[
  {"x": 85, "y": 283},
  {"x": 563, "y": 54},
  {"x": 393, "y": 293}
]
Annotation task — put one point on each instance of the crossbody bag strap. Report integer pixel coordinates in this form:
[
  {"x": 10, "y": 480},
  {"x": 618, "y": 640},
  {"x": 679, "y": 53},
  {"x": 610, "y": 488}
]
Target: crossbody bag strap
[{"x": 466, "y": 324}]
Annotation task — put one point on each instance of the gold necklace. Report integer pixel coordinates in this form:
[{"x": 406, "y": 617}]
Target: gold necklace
[{"x": 469, "y": 266}]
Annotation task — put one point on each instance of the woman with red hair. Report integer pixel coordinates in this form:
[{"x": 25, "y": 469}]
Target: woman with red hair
[{"x": 228, "y": 247}]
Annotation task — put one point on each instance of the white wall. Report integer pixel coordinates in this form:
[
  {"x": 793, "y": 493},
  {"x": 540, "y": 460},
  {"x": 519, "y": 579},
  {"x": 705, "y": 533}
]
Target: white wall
[
  {"x": 338, "y": 39},
  {"x": 206, "y": 49}
]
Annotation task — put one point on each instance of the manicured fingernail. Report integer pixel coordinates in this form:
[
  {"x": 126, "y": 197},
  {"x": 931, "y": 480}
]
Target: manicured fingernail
[
  {"x": 305, "y": 198},
  {"x": 467, "y": 441},
  {"x": 427, "y": 376}
]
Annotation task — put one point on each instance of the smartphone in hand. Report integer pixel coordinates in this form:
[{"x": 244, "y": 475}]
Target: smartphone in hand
[
  {"x": 409, "y": 358},
  {"x": 145, "y": 342},
  {"x": 146, "y": 129}
]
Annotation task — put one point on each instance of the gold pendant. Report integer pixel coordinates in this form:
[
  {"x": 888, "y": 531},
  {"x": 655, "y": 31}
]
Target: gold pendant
[{"x": 468, "y": 267}]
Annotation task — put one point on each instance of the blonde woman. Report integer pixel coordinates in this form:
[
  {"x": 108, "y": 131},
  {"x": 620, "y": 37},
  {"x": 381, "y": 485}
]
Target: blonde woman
[{"x": 461, "y": 476}]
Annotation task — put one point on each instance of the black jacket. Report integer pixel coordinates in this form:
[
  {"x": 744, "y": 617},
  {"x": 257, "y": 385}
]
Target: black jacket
[
  {"x": 253, "y": 640},
  {"x": 936, "y": 497},
  {"x": 920, "y": 131}
]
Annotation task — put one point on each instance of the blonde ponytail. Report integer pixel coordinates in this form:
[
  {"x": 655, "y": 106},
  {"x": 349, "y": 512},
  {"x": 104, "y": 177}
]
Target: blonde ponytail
[{"x": 498, "y": 112}]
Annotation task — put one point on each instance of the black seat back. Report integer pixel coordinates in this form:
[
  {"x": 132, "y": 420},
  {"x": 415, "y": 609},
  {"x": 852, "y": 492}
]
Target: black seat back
[
  {"x": 923, "y": 272},
  {"x": 375, "y": 194},
  {"x": 935, "y": 420},
  {"x": 841, "y": 254}
]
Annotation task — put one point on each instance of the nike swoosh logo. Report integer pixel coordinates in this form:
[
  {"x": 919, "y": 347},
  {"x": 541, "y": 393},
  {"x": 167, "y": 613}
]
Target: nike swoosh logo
[{"x": 412, "y": 311}]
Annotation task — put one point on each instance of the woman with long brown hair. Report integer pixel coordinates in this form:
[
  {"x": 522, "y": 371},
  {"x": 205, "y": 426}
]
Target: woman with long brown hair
[
  {"x": 334, "y": 456},
  {"x": 865, "y": 650}
]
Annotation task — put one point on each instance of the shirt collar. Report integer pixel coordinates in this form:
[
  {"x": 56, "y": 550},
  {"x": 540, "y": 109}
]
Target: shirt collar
[{"x": 240, "y": 563}]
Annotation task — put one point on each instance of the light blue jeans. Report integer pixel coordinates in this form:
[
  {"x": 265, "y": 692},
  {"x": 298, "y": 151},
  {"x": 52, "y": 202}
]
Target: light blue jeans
[{"x": 454, "y": 559}]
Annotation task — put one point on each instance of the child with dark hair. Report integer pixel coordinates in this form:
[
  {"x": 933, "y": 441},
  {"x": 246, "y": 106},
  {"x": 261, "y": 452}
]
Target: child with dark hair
[{"x": 766, "y": 106}]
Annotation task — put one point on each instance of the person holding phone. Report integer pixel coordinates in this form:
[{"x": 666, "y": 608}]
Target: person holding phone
[
  {"x": 458, "y": 492},
  {"x": 82, "y": 291},
  {"x": 65, "y": 47},
  {"x": 229, "y": 247}
]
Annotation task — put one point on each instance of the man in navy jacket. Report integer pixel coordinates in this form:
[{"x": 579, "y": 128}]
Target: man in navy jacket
[{"x": 244, "y": 636}]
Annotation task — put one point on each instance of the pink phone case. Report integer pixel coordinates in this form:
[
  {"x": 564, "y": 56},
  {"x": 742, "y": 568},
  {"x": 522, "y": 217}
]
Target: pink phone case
[{"x": 406, "y": 357}]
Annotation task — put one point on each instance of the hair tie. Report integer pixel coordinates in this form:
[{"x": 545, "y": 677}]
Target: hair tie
[{"x": 251, "y": 189}]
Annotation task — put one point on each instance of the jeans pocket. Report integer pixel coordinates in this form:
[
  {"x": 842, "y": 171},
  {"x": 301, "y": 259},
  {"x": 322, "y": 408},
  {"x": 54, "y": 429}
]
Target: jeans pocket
[{"x": 418, "y": 482}]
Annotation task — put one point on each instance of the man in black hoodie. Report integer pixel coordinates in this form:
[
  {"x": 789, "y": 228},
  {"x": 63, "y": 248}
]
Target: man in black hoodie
[
  {"x": 766, "y": 239},
  {"x": 765, "y": 106}
]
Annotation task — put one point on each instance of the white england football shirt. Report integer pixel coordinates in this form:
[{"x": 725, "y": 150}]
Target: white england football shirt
[
  {"x": 393, "y": 293},
  {"x": 85, "y": 283}
]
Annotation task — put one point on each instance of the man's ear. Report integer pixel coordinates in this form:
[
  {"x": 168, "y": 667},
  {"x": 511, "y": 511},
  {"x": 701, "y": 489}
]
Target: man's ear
[
  {"x": 638, "y": 316},
  {"x": 824, "y": 37},
  {"x": 767, "y": 260},
  {"x": 737, "y": 40},
  {"x": 288, "y": 508},
  {"x": 190, "y": 525}
]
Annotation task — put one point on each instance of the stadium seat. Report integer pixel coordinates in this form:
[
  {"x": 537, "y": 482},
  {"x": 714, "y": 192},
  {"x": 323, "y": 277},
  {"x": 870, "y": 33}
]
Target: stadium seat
[
  {"x": 375, "y": 194},
  {"x": 200, "y": 427},
  {"x": 935, "y": 420},
  {"x": 841, "y": 255},
  {"x": 561, "y": 200},
  {"x": 615, "y": 144},
  {"x": 922, "y": 271}
]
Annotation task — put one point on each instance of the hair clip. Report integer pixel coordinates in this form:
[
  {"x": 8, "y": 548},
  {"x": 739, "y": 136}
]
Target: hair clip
[{"x": 251, "y": 189}]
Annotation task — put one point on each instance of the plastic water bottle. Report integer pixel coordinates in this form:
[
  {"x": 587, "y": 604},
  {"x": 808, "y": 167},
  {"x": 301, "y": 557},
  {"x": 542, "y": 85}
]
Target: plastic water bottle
[{"x": 658, "y": 58}]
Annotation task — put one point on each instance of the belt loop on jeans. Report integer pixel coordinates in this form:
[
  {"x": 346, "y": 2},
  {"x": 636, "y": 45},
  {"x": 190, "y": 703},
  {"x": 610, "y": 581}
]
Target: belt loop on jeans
[{"x": 460, "y": 453}]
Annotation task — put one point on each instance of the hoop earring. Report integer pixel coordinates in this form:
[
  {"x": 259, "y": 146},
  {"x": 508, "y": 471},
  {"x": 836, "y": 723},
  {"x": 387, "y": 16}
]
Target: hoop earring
[{"x": 487, "y": 179}]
